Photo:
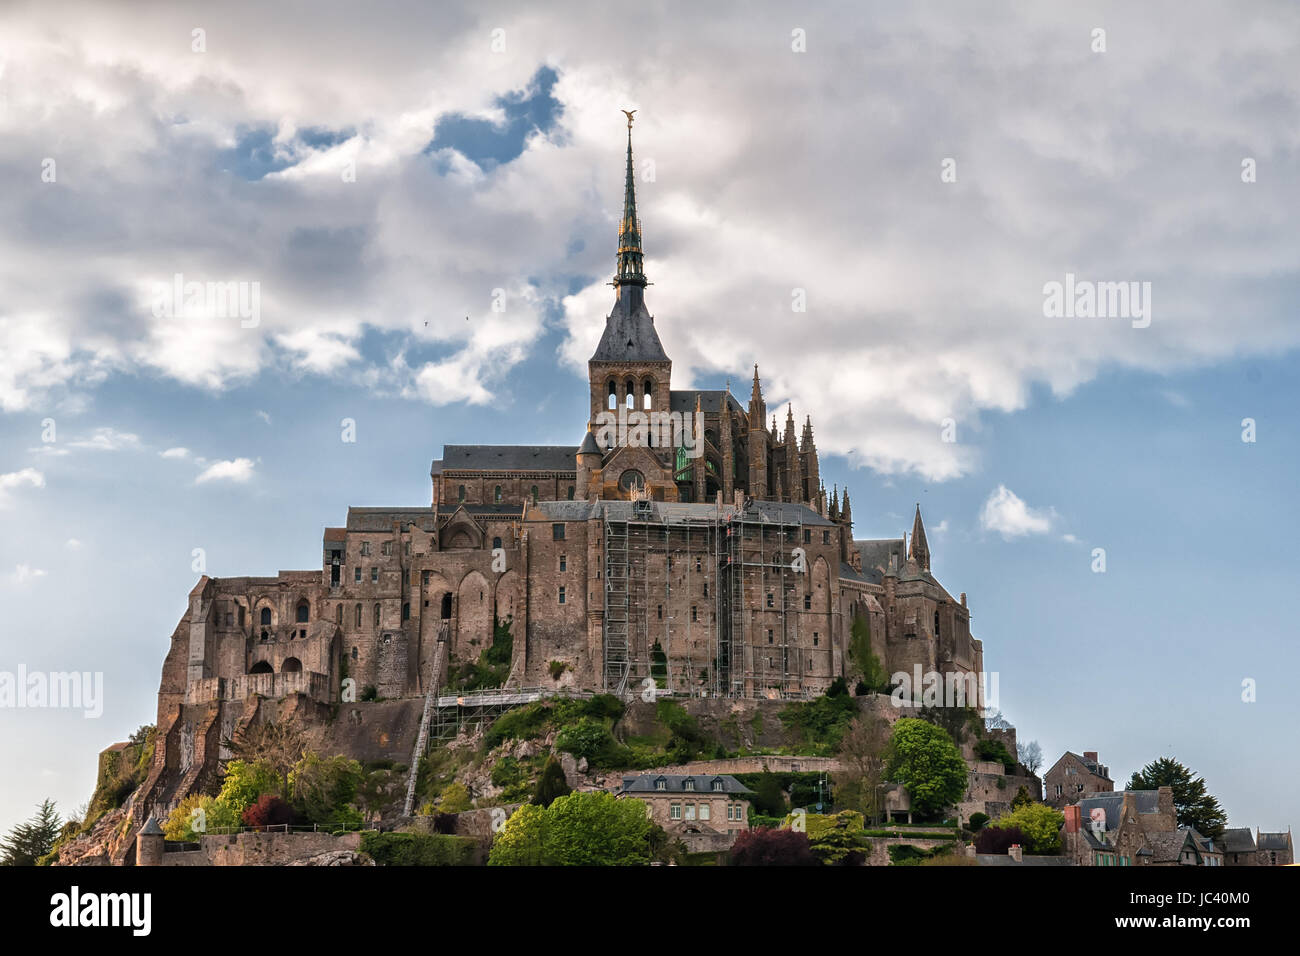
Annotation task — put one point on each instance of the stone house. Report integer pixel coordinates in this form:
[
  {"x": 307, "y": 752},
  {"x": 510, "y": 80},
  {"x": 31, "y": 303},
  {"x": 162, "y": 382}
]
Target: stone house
[
  {"x": 1238, "y": 844},
  {"x": 704, "y": 812},
  {"x": 1118, "y": 828},
  {"x": 1274, "y": 849},
  {"x": 1073, "y": 775}
]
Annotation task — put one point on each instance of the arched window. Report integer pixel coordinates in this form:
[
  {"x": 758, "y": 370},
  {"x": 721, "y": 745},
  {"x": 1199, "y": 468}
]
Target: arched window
[
  {"x": 291, "y": 665},
  {"x": 496, "y": 543},
  {"x": 303, "y": 611},
  {"x": 496, "y": 494},
  {"x": 354, "y": 653},
  {"x": 570, "y": 492},
  {"x": 376, "y": 616},
  {"x": 534, "y": 494},
  {"x": 261, "y": 667},
  {"x": 266, "y": 617},
  {"x": 358, "y": 615},
  {"x": 630, "y": 393},
  {"x": 647, "y": 400},
  {"x": 446, "y": 606},
  {"x": 612, "y": 402},
  {"x": 460, "y": 493},
  {"x": 936, "y": 623},
  {"x": 338, "y": 614}
]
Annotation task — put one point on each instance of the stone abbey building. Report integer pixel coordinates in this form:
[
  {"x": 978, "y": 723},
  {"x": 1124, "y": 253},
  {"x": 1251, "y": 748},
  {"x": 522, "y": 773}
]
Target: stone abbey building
[{"x": 704, "y": 556}]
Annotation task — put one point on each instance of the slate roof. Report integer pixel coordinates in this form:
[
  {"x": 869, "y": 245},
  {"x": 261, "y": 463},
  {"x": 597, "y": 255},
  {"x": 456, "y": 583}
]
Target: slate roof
[
  {"x": 676, "y": 783},
  {"x": 630, "y": 334},
  {"x": 849, "y": 573},
  {"x": 877, "y": 552},
  {"x": 1166, "y": 846},
  {"x": 710, "y": 401},
  {"x": 1146, "y": 801},
  {"x": 151, "y": 828},
  {"x": 509, "y": 458},
  {"x": 589, "y": 445},
  {"x": 1274, "y": 841},
  {"x": 381, "y": 519},
  {"x": 1238, "y": 840}
]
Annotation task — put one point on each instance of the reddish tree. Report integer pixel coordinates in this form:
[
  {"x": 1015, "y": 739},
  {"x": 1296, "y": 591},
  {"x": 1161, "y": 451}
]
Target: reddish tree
[
  {"x": 772, "y": 848},
  {"x": 269, "y": 810},
  {"x": 995, "y": 841}
]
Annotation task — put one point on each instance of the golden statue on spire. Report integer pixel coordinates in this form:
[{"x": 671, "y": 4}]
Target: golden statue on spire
[{"x": 628, "y": 113}]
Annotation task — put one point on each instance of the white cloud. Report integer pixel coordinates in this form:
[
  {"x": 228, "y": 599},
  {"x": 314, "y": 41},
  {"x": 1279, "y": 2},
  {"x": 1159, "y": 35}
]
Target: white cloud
[
  {"x": 264, "y": 416},
  {"x": 108, "y": 439},
  {"x": 73, "y": 544},
  {"x": 760, "y": 188},
  {"x": 175, "y": 453},
  {"x": 24, "y": 478},
  {"x": 1005, "y": 513},
  {"x": 239, "y": 470},
  {"x": 24, "y": 573}
]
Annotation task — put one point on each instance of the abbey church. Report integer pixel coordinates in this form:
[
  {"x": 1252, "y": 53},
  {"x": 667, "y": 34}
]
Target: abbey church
[{"x": 703, "y": 558}]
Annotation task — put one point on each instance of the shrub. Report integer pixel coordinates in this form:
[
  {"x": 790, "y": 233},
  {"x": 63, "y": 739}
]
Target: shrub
[
  {"x": 923, "y": 758},
  {"x": 591, "y": 828},
  {"x": 455, "y": 798},
  {"x": 987, "y": 749},
  {"x": 590, "y": 738},
  {"x": 977, "y": 821},
  {"x": 1039, "y": 824},
  {"x": 418, "y": 849},
  {"x": 557, "y": 668},
  {"x": 269, "y": 810}
]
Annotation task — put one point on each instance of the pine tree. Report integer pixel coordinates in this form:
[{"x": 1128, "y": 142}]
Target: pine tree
[
  {"x": 550, "y": 784},
  {"x": 1195, "y": 806},
  {"x": 29, "y": 841}
]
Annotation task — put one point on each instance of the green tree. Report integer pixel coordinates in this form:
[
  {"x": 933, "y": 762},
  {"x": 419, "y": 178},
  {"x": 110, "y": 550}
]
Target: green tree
[
  {"x": 769, "y": 798},
  {"x": 551, "y": 784},
  {"x": 862, "y": 759},
  {"x": 1040, "y": 824},
  {"x": 27, "y": 842},
  {"x": 1021, "y": 799},
  {"x": 587, "y": 828},
  {"x": 324, "y": 789},
  {"x": 1193, "y": 803},
  {"x": 245, "y": 782},
  {"x": 923, "y": 758},
  {"x": 838, "y": 839},
  {"x": 522, "y": 840}
]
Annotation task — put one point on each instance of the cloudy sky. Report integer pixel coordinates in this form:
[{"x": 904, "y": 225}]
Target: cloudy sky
[{"x": 917, "y": 175}]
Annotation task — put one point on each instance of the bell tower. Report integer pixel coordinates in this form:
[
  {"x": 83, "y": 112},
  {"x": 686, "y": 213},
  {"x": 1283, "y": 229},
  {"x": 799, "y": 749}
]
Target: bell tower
[{"x": 629, "y": 369}]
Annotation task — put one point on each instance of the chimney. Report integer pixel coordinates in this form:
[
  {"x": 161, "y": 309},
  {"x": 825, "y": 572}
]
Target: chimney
[
  {"x": 1165, "y": 801},
  {"x": 1072, "y": 816},
  {"x": 1090, "y": 756},
  {"x": 1016, "y": 853}
]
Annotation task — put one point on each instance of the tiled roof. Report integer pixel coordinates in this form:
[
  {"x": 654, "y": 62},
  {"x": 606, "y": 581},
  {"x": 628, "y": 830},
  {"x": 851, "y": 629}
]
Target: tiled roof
[{"x": 1275, "y": 841}]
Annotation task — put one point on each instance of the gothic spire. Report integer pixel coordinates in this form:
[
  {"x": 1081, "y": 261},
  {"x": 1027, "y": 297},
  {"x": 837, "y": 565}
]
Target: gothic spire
[
  {"x": 920, "y": 550},
  {"x": 806, "y": 442},
  {"x": 631, "y": 268},
  {"x": 846, "y": 511}
]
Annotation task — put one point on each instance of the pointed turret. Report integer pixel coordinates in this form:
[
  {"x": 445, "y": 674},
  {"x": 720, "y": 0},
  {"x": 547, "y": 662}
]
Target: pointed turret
[
  {"x": 846, "y": 512},
  {"x": 631, "y": 265},
  {"x": 757, "y": 441},
  {"x": 920, "y": 548},
  {"x": 808, "y": 459},
  {"x": 834, "y": 514}
]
